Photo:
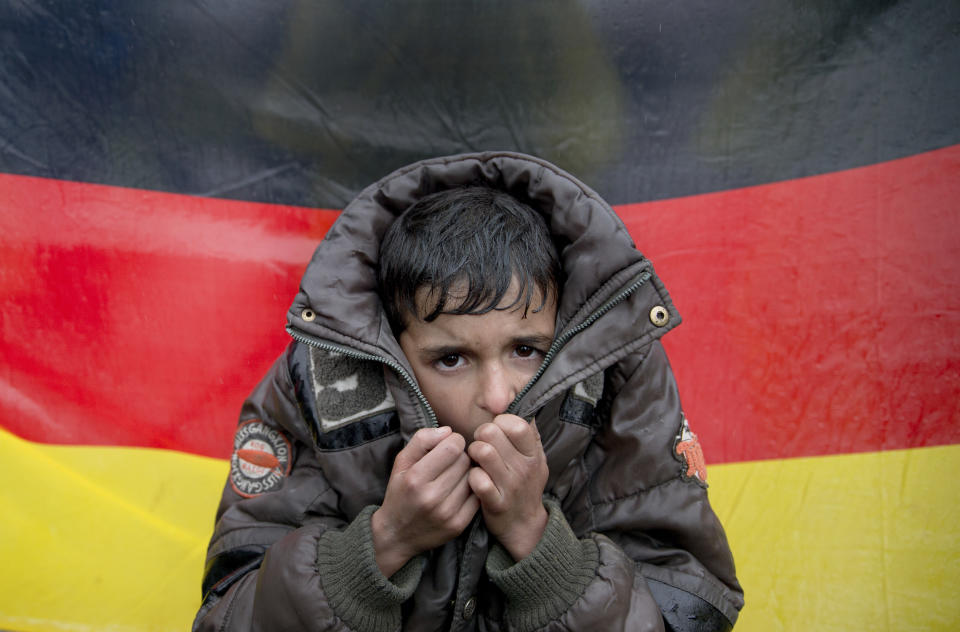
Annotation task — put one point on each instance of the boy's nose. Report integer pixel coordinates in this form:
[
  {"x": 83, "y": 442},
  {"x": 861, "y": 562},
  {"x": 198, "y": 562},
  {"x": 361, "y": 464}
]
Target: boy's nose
[{"x": 497, "y": 390}]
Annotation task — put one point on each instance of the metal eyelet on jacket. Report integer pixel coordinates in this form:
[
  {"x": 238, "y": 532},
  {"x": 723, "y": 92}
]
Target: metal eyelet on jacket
[
  {"x": 308, "y": 315},
  {"x": 659, "y": 316}
]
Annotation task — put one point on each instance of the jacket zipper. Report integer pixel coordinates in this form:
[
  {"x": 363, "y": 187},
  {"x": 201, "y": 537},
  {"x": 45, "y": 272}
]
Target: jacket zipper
[
  {"x": 326, "y": 345},
  {"x": 565, "y": 337}
]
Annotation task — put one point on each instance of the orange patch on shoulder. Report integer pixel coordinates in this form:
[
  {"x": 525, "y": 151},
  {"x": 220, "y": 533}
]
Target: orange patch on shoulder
[{"x": 692, "y": 454}]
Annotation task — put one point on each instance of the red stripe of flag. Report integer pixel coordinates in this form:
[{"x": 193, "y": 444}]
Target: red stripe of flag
[
  {"x": 821, "y": 315},
  {"x": 141, "y": 318}
]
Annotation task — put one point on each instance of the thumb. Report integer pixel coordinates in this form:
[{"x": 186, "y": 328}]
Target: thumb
[{"x": 421, "y": 442}]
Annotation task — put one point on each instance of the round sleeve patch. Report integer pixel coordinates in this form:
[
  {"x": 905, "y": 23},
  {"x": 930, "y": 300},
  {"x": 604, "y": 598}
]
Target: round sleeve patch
[{"x": 260, "y": 460}]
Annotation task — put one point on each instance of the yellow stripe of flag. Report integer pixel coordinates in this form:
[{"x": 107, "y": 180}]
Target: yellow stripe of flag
[
  {"x": 853, "y": 542},
  {"x": 97, "y": 538},
  {"x": 113, "y": 538}
]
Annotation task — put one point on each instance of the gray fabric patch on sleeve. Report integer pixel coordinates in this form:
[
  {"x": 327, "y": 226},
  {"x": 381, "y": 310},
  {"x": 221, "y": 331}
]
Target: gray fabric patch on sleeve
[
  {"x": 581, "y": 401},
  {"x": 590, "y": 389},
  {"x": 347, "y": 390}
]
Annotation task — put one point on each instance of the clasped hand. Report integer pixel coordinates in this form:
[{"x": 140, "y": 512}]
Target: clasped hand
[{"x": 434, "y": 491}]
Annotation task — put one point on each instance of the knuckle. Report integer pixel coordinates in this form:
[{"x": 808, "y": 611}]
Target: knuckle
[
  {"x": 494, "y": 505},
  {"x": 515, "y": 426},
  {"x": 478, "y": 482},
  {"x": 430, "y": 498},
  {"x": 418, "y": 499},
  {"x": 486, "y": 432},
  {"x": 449, "y": 451},
  {"x": 489, "y": 488},
  {"x": 454, "y": 442},
  {"x": 485, "y": 451},
  {"x": 441, "y": 514},
  {"x": 413, "y": 479},
  {"x": 474, "y": 476}
]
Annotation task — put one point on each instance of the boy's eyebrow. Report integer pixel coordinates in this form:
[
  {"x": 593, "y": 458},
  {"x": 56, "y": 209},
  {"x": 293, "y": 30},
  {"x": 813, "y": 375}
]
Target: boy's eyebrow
[
  {"x": 533, "y": 341},
  {"x": 537, "y": 341},
  {"x": 441, "y": 350}
]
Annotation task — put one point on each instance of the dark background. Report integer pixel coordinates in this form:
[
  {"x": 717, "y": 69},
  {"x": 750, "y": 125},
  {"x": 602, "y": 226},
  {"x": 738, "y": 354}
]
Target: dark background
[{"x": 302, "y": 102}]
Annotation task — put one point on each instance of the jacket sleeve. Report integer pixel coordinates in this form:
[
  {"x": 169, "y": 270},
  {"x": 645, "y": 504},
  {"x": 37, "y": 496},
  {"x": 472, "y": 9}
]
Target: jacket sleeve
[
  {"x": 651, "y": 554},
  {"x": 282, "y": 556}
]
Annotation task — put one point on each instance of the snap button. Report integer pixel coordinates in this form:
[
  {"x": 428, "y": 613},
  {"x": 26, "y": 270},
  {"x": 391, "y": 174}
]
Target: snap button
[
  {"x": 470, "y": 608},
  {"x": 308, "y": 315},
  {"x": 659, "y": 316}
]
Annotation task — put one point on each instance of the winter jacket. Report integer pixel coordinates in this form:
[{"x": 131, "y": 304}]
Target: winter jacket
[{"x": 631, "y": 535}]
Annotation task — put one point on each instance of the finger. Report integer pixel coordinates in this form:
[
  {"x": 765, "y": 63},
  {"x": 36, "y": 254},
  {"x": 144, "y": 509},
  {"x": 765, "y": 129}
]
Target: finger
[
  {"x": 445, "y": 454},
  {"x": 446, "y": 482},
  {"x": 494, "y": 434},
  {"x": 422, "y": 442},
  {"x": 484, "y": 488},
  {"x": 467, "y": 511},
  {"x": 491, "y": 460},
  {"x": 457, "y": 496},
  {"x": 521, "y": 434}
]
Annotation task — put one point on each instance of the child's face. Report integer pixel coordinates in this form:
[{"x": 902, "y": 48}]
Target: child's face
[{"x": 471, "y": 366}]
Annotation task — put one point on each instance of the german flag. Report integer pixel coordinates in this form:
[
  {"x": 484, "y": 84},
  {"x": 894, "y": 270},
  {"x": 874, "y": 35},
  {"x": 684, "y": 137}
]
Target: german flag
[{"x": 792, "y": 168}]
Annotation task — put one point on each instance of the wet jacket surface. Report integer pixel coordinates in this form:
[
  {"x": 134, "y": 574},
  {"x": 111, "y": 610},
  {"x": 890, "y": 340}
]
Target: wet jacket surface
[{"x": 631, "y": 542}]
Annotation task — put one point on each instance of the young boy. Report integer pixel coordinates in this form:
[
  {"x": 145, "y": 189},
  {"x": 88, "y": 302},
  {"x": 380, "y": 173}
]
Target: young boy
[{"x": 475, "y": 427}]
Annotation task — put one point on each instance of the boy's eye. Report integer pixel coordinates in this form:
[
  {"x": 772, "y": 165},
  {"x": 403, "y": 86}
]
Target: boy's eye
[
  {"x": 450, "y": 360},
  {"x": 525, "y": 351}
]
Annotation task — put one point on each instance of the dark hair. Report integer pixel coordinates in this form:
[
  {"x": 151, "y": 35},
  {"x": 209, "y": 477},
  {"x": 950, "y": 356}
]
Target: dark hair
[{"x": 476, "y": 236}]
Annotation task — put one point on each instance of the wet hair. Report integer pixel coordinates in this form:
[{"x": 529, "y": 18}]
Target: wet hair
[{"x": 475, "y": 238}]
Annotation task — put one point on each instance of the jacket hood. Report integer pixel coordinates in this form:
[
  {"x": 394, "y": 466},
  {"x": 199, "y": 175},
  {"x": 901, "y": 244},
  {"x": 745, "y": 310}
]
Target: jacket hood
[{"x": 338, "y": 292}]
